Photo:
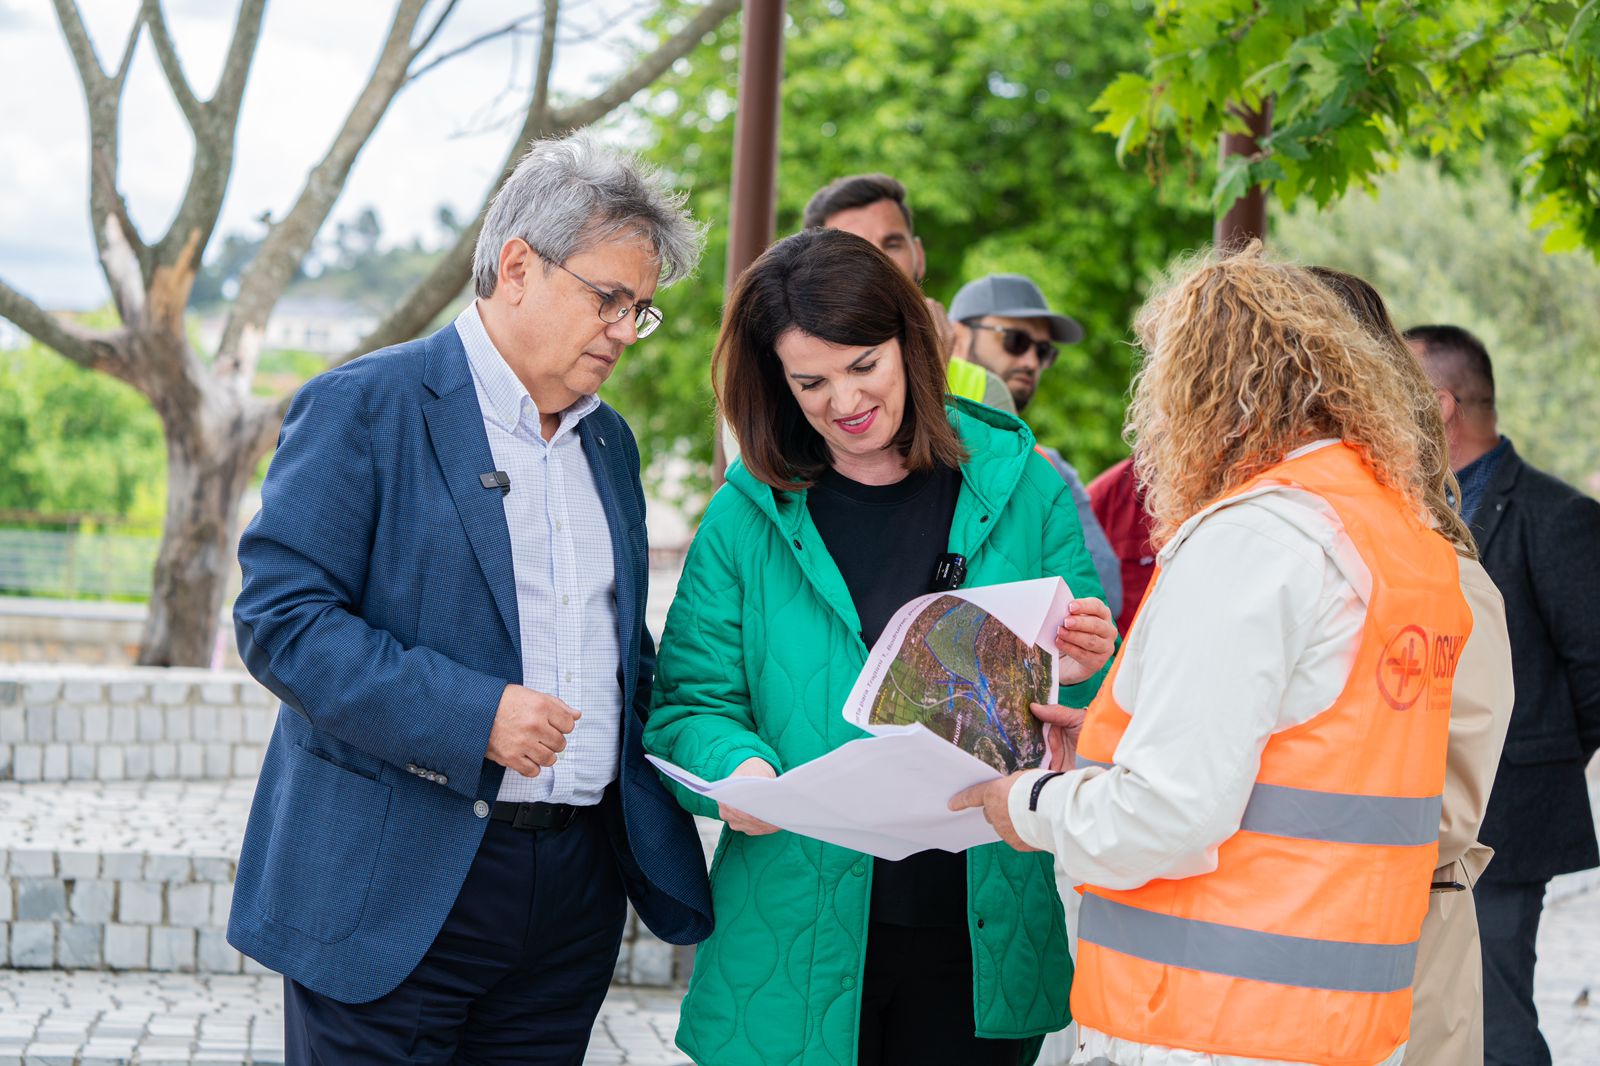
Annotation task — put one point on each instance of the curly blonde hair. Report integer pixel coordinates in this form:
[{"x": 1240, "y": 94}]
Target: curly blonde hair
[{"x": 1246, "y": 359}]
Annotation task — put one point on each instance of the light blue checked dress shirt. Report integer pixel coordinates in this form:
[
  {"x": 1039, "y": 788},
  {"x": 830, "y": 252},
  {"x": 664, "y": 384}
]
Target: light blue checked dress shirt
[{"x": 566, "y": 584}]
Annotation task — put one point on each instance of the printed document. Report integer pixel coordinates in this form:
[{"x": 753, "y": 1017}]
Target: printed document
[{"x": 944, "y": 697}]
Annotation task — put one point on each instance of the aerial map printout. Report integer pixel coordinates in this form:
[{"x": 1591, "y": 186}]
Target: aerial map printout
[
  {"x": 967, "y": 677},
  {"x": 944, "y": 697},
  {"x": 966, "y": 665}
]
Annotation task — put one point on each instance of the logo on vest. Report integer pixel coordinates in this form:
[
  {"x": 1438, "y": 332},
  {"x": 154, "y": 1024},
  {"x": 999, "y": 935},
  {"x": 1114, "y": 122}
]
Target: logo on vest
[{"x": 1403, "y": 668}]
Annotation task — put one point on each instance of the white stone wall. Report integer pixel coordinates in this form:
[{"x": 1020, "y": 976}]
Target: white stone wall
[
  {"x": 81, "y": 723},
  {"x": 77, "y": 910}
]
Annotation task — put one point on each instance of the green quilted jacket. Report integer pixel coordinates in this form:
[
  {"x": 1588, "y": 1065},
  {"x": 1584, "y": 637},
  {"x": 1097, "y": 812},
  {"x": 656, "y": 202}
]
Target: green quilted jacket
[{"x": 761, "y": 648}]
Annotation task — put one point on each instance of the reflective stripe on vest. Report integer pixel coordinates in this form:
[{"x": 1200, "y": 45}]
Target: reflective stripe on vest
[
  {"x": 1224, "y": 949},
  {"x": 1337, "y": 817}
]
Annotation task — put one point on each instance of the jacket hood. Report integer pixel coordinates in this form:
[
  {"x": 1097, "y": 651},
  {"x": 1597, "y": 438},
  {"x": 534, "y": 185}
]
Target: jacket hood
[{"x": 997, "y": 443}]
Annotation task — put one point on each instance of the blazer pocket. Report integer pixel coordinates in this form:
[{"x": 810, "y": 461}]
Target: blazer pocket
[
  {"x": 1532, "y": 751},
  {"x": 326, "y": 833}
]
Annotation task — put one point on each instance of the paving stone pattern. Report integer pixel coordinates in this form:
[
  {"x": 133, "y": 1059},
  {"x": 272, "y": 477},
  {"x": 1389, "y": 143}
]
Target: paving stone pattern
[{"x": 98, "y": 1019}]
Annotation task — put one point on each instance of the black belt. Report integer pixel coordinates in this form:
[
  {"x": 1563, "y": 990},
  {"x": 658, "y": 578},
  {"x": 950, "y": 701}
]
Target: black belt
[{"x": 535, "y": 815}]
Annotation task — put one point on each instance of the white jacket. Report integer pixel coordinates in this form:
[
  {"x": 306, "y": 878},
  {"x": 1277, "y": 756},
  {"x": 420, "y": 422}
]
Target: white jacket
[{"x": 1250, "y": 630}]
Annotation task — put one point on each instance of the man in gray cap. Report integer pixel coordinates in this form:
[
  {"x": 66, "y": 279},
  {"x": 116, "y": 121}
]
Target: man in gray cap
[{"x": 1003, "y": 324}]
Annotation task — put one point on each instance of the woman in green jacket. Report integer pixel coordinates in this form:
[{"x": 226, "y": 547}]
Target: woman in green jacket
[{"x": 855, "y": 478}]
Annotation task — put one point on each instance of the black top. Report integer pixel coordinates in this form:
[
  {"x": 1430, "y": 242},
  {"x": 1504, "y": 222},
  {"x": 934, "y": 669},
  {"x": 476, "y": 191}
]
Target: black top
[{"x": 886, "y": 540}]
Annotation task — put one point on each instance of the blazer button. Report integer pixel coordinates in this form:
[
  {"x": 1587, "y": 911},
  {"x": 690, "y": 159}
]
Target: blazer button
[
  {"x": 848, "y": 983},
  {"x": 481, "y": 809},
  {"x": 859, "y": 869}
]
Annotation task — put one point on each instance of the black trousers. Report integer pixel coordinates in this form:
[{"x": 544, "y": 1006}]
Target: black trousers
[
  {"x": 1508, "y": 925},
  {"x": 916, "y": 1002},
  {"x": 516, "y": 975}
]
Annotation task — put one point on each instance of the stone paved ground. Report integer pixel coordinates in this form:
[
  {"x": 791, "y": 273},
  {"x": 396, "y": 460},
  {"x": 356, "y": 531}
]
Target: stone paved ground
[
  {"x": 196, "y": 818},
  {"x": 56, "y": 1018},
  {"x": 1567, "y": 985},
  {"x": 102, "y": 1019}
]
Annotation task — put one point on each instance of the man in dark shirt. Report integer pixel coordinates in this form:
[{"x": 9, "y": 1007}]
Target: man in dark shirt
[{"x": 1540, "y": 541}]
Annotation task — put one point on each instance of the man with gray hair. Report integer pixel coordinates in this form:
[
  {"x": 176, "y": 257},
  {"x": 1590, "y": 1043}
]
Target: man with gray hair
[{"x": 445, "y": 586}]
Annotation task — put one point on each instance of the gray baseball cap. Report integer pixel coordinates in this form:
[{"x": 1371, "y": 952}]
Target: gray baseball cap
[{"x": 1011, "y": 296}]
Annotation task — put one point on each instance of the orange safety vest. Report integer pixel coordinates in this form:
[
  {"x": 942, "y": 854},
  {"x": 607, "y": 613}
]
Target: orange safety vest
[{"x": 1301, "y": 945}]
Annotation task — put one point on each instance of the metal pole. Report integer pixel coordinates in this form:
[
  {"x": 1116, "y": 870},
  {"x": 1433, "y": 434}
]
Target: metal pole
[
  {"x": 753, "y": 211},
  {"x": 1247, "y": 218}
]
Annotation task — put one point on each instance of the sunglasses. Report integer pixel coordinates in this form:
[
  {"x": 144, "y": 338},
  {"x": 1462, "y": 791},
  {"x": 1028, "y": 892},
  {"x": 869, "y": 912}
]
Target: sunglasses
[{"x": 1016, "y": 342}]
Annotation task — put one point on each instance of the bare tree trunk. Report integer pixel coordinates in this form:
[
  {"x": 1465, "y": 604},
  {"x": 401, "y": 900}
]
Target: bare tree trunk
[
  {"x": 205, "y": 482},
  {"x": 216, "y": 430}
]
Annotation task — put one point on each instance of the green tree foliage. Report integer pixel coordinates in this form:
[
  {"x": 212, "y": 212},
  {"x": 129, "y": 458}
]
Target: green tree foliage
[
  {"x": 1456, "y": 251},
  {"x": 76, "y": 442},
  {"x": 982, "y": 108},
  {"x": 1354, "y": 86}
]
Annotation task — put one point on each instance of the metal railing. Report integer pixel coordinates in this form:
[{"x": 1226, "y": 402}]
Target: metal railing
[{"x": 76, "y": 556}]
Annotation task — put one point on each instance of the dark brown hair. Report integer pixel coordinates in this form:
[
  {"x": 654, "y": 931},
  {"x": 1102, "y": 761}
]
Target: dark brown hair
[
  {"x": 1365, "y": 303},
  {"x": 857, "y": 190},
  {"x": 1461, "y": 356},
  {"x": 839, "y": 288}
]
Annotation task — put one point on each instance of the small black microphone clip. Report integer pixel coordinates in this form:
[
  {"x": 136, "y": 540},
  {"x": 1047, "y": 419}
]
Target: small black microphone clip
[
  {"x": 949, "y": 573},
  {"x": 497, "y": 479}
]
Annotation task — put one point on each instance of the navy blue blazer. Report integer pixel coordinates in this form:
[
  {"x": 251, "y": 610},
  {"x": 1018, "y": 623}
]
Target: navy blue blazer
[{"x": 379, "y": 605}]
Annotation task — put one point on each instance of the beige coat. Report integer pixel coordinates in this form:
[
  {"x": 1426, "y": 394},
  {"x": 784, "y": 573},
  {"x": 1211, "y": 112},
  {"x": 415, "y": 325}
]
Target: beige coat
[{"x": 1447, "y": 1005}]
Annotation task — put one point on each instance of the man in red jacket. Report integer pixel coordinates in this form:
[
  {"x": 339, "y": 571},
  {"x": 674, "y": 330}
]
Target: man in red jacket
[{"x": 1118, "y": 504}]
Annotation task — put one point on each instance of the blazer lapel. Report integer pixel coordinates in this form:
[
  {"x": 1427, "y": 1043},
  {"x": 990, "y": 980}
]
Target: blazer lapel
[
  {"x": 1496, "y": 498},
  {"x": 607, "y": 465},
  {"x": 455, "y": 428}
]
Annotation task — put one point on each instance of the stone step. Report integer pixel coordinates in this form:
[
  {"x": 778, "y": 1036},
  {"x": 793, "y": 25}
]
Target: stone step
[
  {"x": 120, "y": 875},
  {"x": 138, "y": 875},
  {"x": 84, "y": 723},
  {"x": 103, "y": 1019}
]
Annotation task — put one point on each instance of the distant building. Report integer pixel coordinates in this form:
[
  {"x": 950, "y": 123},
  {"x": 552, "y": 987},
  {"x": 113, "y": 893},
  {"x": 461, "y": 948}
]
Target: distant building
[{"x": 325, "y": 325}]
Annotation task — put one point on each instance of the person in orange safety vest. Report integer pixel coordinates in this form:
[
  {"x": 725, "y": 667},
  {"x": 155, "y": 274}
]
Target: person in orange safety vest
[{"x": 1254, "y": 809}]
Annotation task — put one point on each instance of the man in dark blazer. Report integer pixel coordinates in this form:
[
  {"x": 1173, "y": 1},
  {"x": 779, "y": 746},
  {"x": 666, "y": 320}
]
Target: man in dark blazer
[
  {"x": 446, "y": 588},
  {"x": 1540, "y": 540}
]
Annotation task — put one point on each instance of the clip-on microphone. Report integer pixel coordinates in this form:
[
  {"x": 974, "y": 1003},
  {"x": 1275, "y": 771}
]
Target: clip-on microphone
[{"x": 949, "y": 572}]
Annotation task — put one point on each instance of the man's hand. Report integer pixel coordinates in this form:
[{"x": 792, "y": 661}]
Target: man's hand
[
  {"x": 530, "y": 729},
  {"x": 739, "y": 821},
  {"x": 994, "y": 798},
  {"x": 1085, "y": 640},
  {"x": 1062, "y": 726}
]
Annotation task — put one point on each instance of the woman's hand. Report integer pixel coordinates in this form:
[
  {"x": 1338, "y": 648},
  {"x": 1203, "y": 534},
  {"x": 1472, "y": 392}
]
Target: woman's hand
[
  {"x": 738, "y": 820},
  {"x": 1062, "y": 726},
  {"x": 1085, "y": 640}
]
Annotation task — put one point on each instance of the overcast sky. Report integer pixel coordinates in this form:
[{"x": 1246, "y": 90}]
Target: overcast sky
[{"x": 437, "y": 144}]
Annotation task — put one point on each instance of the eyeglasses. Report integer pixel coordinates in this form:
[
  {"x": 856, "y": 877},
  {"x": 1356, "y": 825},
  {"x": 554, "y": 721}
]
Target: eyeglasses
[
  {"x": 614, "y": 306},
  {"x": 1017, "y": 342}
]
